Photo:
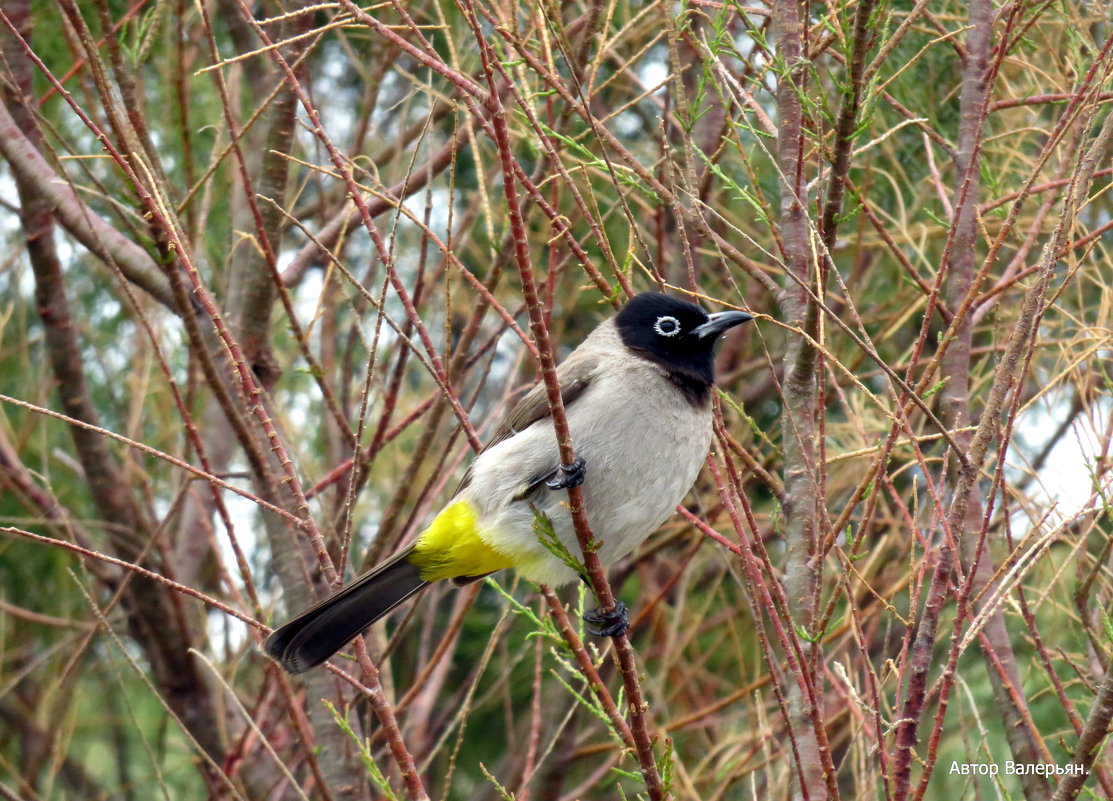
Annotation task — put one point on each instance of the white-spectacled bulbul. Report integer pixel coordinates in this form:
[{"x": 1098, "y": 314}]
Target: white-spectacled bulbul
[{"x": 637, "y": 393}]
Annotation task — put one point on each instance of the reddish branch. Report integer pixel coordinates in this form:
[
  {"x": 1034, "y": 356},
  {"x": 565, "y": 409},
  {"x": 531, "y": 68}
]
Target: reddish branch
[
  {"x": 1094, "y": 735},
  {"x": 416, "y": 180},
  {"x": 587, "y": 667},
  {"x": 915, "y": 686},
  {"x": 546, "y": 353},
  {"x": 845, "y": 126}
]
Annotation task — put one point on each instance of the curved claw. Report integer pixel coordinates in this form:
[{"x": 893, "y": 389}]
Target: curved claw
[
  {"x": 610, "y": 624},
  {"x": 569, "y": 475}
]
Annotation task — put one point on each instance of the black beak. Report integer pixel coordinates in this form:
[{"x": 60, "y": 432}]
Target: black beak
[{"x": 719, "y": 322}]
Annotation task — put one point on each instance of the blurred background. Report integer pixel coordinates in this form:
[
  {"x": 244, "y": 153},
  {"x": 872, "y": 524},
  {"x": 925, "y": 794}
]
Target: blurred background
[{"x": 262, "y": 295}]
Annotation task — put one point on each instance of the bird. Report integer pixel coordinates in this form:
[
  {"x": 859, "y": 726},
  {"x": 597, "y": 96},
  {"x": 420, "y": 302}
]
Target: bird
[{"x": 637, "y": 396}]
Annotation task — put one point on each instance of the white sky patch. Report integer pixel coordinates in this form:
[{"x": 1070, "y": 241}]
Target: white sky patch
[
  {"x": 628, "y": 124},
  {"x": 307, "y": 297},
  {"x": 1065, "y": 480},
  {"x": 653, "y": 71},
  {"x": 246, "y": 524},
  {"x": 438, "y": 212},
  {"x": 1068, "y": 477}
]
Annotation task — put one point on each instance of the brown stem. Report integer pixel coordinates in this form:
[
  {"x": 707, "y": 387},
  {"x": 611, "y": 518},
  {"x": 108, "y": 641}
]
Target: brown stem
[
  {"x": 99, "y": 236},
  {"x": 1094, "y": 735},
  {"x": 957, "y": 366},
  {"x": 540, "y": 331},
  {"x": 800, "y": 391}
]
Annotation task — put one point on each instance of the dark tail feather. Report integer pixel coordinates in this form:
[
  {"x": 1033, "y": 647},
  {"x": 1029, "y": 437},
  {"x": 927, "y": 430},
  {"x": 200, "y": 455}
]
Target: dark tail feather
[{"x": 325, "y": 628}]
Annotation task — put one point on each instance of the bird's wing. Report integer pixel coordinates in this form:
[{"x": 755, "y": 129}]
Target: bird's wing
[{"x": 574, "y": 376}]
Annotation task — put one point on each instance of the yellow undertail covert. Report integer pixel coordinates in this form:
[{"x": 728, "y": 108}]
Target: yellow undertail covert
[{"x": 452, "y": 548}]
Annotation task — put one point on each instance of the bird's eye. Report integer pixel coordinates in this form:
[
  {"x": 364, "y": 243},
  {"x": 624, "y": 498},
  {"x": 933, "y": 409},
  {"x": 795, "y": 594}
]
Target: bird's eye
[{"x": 667, "y": 326}]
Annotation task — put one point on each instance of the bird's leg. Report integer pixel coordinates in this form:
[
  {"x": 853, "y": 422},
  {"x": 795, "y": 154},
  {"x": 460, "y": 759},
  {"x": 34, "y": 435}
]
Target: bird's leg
[
  {"x": 564, "y": 476},
  {"x": 610, "y": 624},
  {"x": 607, "y": 624},
  {"x": 569, "y": 475}
]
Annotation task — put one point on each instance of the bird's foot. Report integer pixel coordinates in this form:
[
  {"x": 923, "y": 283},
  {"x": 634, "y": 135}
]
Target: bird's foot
[
  {"x": 569, "y": 475},
  {"x": 608, "y": 624}
]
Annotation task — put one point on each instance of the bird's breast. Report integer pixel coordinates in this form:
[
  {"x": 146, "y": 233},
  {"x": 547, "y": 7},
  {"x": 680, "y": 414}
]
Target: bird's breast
[
  {"x": 641, "y": 462},
  {"x": 643, "y": 444}
]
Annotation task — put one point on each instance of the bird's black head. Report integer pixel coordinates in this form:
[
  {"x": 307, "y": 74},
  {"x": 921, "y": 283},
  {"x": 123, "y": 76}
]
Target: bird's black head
[{"x": 678, "y": 336}]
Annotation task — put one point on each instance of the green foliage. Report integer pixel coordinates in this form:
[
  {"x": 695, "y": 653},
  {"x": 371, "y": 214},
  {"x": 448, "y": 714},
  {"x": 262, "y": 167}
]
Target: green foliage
[{"x": 547, "y": 536}]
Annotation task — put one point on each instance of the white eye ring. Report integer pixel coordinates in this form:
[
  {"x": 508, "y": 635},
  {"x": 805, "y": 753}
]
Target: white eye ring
[{"x": 663, "y": 320}]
